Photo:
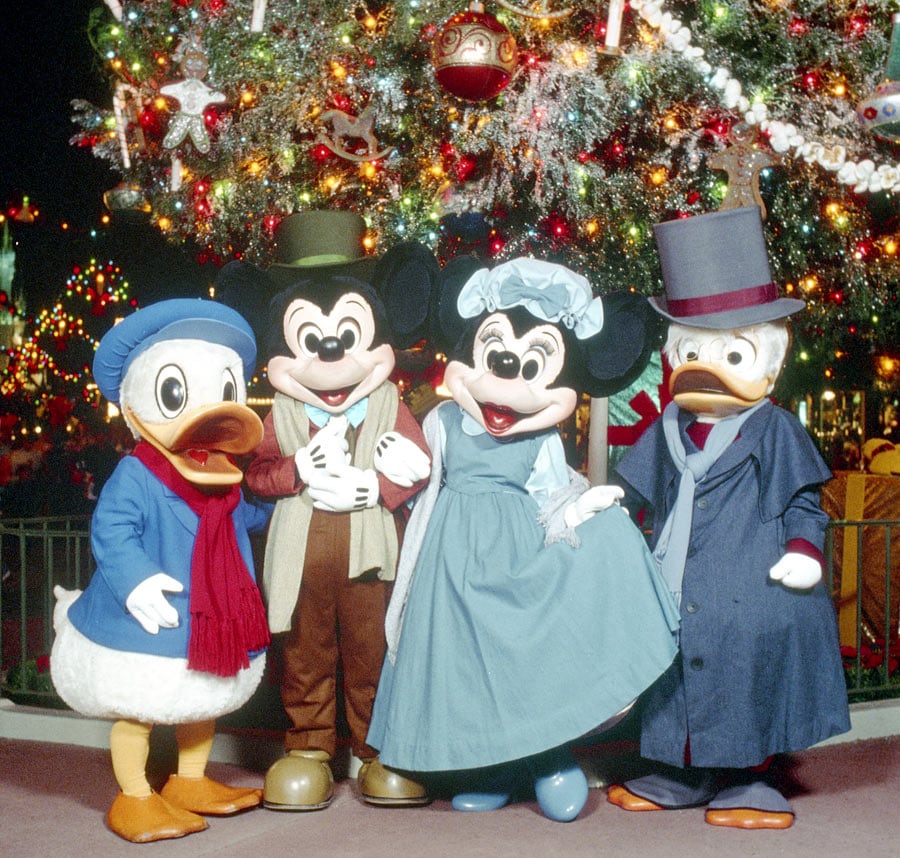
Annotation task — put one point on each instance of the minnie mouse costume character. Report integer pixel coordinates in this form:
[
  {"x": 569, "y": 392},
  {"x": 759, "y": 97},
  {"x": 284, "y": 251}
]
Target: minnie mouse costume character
[
  {"x": 731, "y": 483},
  {"x": 341, "y": 455},
  {"x": 527, "y": 609}
]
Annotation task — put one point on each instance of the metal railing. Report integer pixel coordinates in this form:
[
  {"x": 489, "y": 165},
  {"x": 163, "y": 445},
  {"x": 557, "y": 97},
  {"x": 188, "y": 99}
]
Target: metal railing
[
  {"x": 862, "y": 565},
  {"x": 36, "y": 554}
]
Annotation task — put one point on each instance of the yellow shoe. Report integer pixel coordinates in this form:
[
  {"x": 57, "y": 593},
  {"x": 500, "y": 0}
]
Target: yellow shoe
[
  {"x": 300, "y": 781},
  {"x": 209, "y": 797},
  {"x": 143, "y": 819},
  {"x": 386, "y": 787}
]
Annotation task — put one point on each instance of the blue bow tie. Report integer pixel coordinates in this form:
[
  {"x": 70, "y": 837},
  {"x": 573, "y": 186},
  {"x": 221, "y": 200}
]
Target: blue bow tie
[{"x": 355, "y": 414}]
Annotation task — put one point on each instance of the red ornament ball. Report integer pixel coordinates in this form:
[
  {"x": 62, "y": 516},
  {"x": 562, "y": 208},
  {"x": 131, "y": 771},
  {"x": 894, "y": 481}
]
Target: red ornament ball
[{"x": 474, "y": 55}]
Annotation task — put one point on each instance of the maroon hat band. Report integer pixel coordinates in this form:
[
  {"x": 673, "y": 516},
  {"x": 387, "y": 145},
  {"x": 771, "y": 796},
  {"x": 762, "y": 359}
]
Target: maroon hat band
[{"x": 723, "y": 302}]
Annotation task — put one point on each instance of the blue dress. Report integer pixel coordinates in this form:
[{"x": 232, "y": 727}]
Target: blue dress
[{"x": 511, "y": 646}]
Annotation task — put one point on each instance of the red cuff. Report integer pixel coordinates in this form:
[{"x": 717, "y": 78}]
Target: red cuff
[{"x": 801, "y": 546}]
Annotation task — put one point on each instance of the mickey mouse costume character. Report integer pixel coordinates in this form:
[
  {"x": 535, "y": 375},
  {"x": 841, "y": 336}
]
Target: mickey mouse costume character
[
  {"x": 731, "y": 484},
  {"x": 341, "y": 455},
  {"x": 527, "y": 610},
  {"x": 171, "y": 628}
]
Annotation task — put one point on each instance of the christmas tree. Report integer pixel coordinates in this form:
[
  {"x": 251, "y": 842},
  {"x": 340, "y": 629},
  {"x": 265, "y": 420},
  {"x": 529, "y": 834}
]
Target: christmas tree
[
  {"x": 50, "y": 370},
  {"x": 559, "y": 129}
]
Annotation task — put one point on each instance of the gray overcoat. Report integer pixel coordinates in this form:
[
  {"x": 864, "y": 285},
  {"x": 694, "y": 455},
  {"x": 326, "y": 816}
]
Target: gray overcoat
[{"x": 759, "y": 670}]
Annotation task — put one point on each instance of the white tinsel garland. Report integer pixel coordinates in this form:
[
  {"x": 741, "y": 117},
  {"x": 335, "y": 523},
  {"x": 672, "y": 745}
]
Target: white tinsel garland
[{"x": 864, "y": 176}]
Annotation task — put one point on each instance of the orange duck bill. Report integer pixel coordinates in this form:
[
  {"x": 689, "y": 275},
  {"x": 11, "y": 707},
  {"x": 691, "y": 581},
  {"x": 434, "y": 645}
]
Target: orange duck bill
[
  {"x": 201, "y": 443},
  {"x": 707, "y": 389}
]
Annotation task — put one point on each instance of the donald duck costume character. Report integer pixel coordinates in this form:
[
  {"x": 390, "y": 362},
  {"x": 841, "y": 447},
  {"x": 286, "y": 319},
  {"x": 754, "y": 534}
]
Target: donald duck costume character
[
  {"x": 171, "y": 628},
  {"x": 730, "y": 483}
]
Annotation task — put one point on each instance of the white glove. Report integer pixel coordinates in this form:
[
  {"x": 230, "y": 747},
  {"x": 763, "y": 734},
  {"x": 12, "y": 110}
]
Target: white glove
[
  {"x": 147, "y": 604},
  {"x": 797, "y": 571},
  {"x": 349, "y": 489},
  {"x": 400, "y": 460},
  {"x": 326, "y": 453},
  {"x": 592, "y": 501}
]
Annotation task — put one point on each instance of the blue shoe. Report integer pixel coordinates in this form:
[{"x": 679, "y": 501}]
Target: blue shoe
[
  {"x": 562, "y": 793},
  {"x": 492, "y": 788},
  {"x": 480, "y": 801}
]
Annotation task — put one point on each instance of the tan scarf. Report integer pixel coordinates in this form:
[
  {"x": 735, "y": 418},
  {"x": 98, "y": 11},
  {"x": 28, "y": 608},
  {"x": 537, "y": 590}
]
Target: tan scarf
[{"x": 373, "y": 533}]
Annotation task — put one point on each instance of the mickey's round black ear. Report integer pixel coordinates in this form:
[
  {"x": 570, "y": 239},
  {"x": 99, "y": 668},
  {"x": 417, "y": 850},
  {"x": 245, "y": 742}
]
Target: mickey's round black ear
[
  {"x": 247, "y": 289},
  {"x": 405, "y": 279},
  {"x": 632, "y": 331},
  {"x": 447, "y": 326}
]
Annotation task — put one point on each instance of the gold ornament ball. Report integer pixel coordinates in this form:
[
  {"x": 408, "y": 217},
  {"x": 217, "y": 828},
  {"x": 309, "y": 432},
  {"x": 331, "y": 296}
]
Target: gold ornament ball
[{"x": 474, "y": 55}]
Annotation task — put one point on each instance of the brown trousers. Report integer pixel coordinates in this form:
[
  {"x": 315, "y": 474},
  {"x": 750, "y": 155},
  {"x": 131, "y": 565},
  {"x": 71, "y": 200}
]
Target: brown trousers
[{"x": 338, "y": 622}]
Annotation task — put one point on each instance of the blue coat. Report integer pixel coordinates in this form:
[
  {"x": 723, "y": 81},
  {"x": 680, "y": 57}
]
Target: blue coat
[
  {"x": 139, "y": 528},
  {"x": 759, "y": 671}
]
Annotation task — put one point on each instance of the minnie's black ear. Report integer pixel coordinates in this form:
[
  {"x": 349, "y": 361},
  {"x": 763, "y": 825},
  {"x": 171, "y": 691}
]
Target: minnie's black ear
[
  {"x": 247, "y": 289},
  {"x": 405, "y": 279},
  {"x": 447, "y": 326},
  {"x": 632, "y": 331}
]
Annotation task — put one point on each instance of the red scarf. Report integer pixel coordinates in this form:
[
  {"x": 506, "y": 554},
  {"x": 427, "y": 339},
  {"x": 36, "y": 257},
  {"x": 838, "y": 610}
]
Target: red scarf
[{"x": 227, "y": 615}]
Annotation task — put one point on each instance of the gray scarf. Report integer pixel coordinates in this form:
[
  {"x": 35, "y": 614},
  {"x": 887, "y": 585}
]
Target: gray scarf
[{"x": 671, "y": 549}]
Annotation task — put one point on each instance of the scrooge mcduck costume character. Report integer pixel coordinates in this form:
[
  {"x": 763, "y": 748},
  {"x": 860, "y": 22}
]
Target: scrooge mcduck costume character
[
  {"x": 341, "y": 455},
  {"x": 171, "y": 628},
  {"x": 527, "y": 609},
  {"x": 730, "y": 483}
]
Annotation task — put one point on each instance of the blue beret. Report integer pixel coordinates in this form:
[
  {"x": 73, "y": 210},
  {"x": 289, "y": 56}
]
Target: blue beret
[{"x": 179, "y": 318}]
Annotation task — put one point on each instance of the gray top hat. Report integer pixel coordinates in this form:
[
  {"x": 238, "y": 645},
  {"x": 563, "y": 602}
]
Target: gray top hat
[
  {"x": 716, "y": 271},
  {"x": 321, "y": 240}
]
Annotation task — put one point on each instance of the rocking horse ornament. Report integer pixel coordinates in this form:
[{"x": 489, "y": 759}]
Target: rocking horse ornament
[{"x": 347, "y": 128}]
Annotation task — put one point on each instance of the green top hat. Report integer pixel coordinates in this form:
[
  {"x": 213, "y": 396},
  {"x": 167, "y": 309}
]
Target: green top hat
[{"x": 321, "y": 240}]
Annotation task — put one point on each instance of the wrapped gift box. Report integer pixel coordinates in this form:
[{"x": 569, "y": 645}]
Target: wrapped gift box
[{"x": 855, "y": 496}]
